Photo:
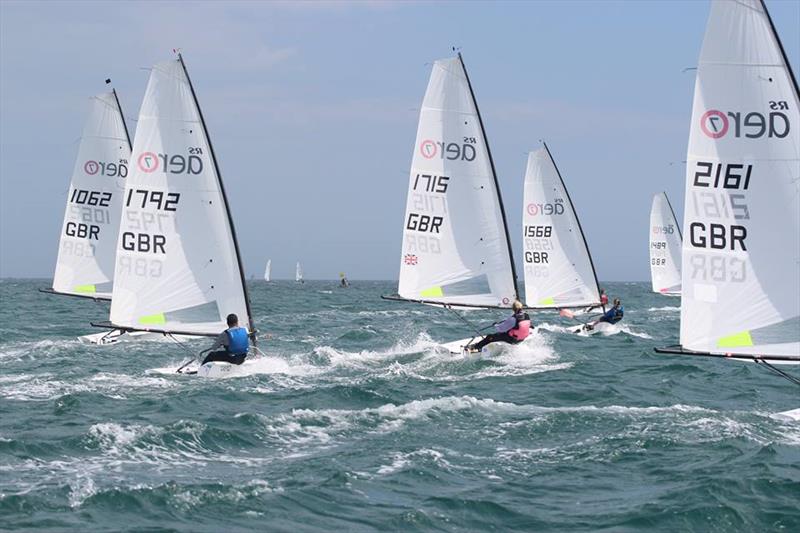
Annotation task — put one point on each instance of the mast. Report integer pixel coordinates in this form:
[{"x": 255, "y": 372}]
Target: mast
[
  {"x": 673, "y": 215},
  {"x": 224, "y": 201},
  {"x": 783, "y": 52},
  {"x": 494, "y": 176},
  {"x": 122, "y": 117},
  {"x": 574, "y": 212}
]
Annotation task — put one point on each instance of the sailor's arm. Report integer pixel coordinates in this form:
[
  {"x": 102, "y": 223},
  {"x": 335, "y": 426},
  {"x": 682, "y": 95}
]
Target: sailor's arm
[
  {"x": 222, "y": 340},
  {"x": 506, "y": 324}
]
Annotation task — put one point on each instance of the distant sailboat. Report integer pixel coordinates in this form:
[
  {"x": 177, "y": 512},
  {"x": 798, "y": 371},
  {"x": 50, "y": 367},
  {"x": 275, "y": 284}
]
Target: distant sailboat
[
  {"x": 298, "y": 274},
  {"x": 178, "y": 268},
  {"x": 87, "y": 249},
  {"x": 343, "y": 281},
  {"x": 559, "y": 271},
  {"x": 456, "y": 250},
  {"x": 665, "y": 247},
  {"x": 268, "y": 270},
  {"x": 741, "y": 261}
]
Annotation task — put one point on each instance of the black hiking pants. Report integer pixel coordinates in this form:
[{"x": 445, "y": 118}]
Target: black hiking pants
[
  {"x": 225, "y": 357},
  {"x": 495, "y": 337}
]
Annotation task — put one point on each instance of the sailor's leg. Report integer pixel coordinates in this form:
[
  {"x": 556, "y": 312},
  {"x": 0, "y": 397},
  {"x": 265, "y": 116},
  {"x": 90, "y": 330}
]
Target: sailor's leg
[{"x": 221, "y": 355}]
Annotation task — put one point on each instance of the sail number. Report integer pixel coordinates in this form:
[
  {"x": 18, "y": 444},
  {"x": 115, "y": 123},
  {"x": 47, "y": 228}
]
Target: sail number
[
  {"x": 431, "y": 183},
  {"x": 84, "y": 197},
  {"x": 719, "y": 175},
  {"x": 538, "y": 231},
  {"x": 163, "y": 201}
]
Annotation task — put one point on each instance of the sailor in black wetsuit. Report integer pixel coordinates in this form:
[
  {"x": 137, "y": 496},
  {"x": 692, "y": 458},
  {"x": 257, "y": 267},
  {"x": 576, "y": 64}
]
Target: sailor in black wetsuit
[
  {"x": 512, "y": 330},
  {"x": 235, "y": 342}
]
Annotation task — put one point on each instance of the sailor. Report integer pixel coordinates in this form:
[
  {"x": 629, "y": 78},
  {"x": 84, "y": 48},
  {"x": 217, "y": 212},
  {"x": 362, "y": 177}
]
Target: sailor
[
  {"x": 512, "y": 330},
  {"x": 612, "y": 316},
  {"x": 235, "y": 342}
]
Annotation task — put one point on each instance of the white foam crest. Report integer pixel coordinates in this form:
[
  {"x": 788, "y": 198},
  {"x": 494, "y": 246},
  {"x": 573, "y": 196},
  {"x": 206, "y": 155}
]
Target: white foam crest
[
  {"x": 196, "y": 497},
  {"x": 80, "y": 490},
  {"x": 667, "y": 308},
  {"x": 43, "y": 387},
  {"x": 625, "y": 328},
  {"x": 401, "y": 460},
  {"x": 31, "y": 350},
  {"x": 422, "y": 343},
  {"x": 320, "y": 427}
]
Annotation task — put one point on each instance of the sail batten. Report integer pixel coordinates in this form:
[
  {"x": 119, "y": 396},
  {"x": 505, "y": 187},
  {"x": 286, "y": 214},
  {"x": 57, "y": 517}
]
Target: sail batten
[
  {"x": 559, "y": 271},
  {"x": 455, "y": 241},
  {"x": 86, "y": 252},
  {"x": 178, "y": 265},
  {"x": 741, "y": 257}
]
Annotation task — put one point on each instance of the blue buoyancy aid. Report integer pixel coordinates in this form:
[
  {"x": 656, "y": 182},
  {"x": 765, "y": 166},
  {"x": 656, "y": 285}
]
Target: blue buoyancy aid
[
  {"x": 238, "y": 342},
  {"x": 614, "y": 315}
]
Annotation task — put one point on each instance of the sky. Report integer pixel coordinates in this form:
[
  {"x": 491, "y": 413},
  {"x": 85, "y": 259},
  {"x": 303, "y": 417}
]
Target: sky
[{"x": 312, "y": 108}]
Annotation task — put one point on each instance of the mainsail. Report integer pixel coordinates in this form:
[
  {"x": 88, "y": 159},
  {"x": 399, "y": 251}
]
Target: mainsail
[
  {"x": 741, "y": 260},
  {"x": 456, "y": 249},
  {"x": 86, "y": 251},
  {"x": 665, "y": 247},
  {"x": 298, "y": 272},
  {"x": 178, "y": 266},
  {"x": 558, "y": 266},
  {"x": 268, "y": 270}
]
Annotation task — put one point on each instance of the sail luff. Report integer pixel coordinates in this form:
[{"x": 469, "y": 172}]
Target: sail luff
[
  {"x": 494, "y": 177},
  {"x": 122, "y": 118},
  {"x": 577, "y": 220},
  {"x": 213, "y": 156}
]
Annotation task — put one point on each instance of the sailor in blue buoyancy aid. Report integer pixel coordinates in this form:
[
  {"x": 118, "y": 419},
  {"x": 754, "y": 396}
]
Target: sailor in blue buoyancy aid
[
  {"x": 612, "y": 316},
  {"x": 235, "y": 341},
  {"x": 512, "y": 330}
]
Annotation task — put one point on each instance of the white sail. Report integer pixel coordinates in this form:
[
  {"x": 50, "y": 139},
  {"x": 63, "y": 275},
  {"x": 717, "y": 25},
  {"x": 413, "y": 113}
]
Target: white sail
[
  {"x": 558, "y": 267},
  {"x": 268, "y": 270},
  {"x": 455, "y": 243},
  {"x": 178, "y": 268},
  {"x": 665, "y": 247},
  {"x": 741, "y": 257},
  {"x": 298, "y": 272},
  {"x": 86, "y": 252}
]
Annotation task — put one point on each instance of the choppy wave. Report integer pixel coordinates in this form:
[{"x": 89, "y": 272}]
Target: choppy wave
[{"x": 360, "y": 421}]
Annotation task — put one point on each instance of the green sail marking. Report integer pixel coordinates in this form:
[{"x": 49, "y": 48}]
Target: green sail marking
[
  {"x": 85, "y": 289},
  {"x": 736, "y": 340},
  {"x": 152, "y": 320},
  {"x": 433, "y": 292}
]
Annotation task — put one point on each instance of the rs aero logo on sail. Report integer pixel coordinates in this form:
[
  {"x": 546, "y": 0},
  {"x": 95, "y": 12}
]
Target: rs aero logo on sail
[
  {"x": 114, "y": 170},
  {"x": 465, "y": 151},
  {"x": 149, "y": 162},
  {"x": 752, "y": 124}
]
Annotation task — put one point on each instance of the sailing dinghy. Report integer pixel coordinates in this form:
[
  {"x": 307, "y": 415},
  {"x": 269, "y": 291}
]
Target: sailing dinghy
[
  {"x": 87, "y": 248},
  {"x": 741, "y": 262},
  {"x": 178, "y": 268},
  {"x": 268, "y": 270},
  {"x": 559, "y": 271},
  {"x": 298, "y": 273},
  {"x": 456, "y": 250},
  {"x": 665, "y": 247}
]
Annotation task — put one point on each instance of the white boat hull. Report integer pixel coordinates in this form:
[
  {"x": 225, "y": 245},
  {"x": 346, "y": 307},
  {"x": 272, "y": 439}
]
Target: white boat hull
[{"x": 459, "y": 348}]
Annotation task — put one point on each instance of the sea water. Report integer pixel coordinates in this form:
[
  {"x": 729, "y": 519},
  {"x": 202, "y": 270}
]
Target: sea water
[{"x": 356, "y": 421}]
